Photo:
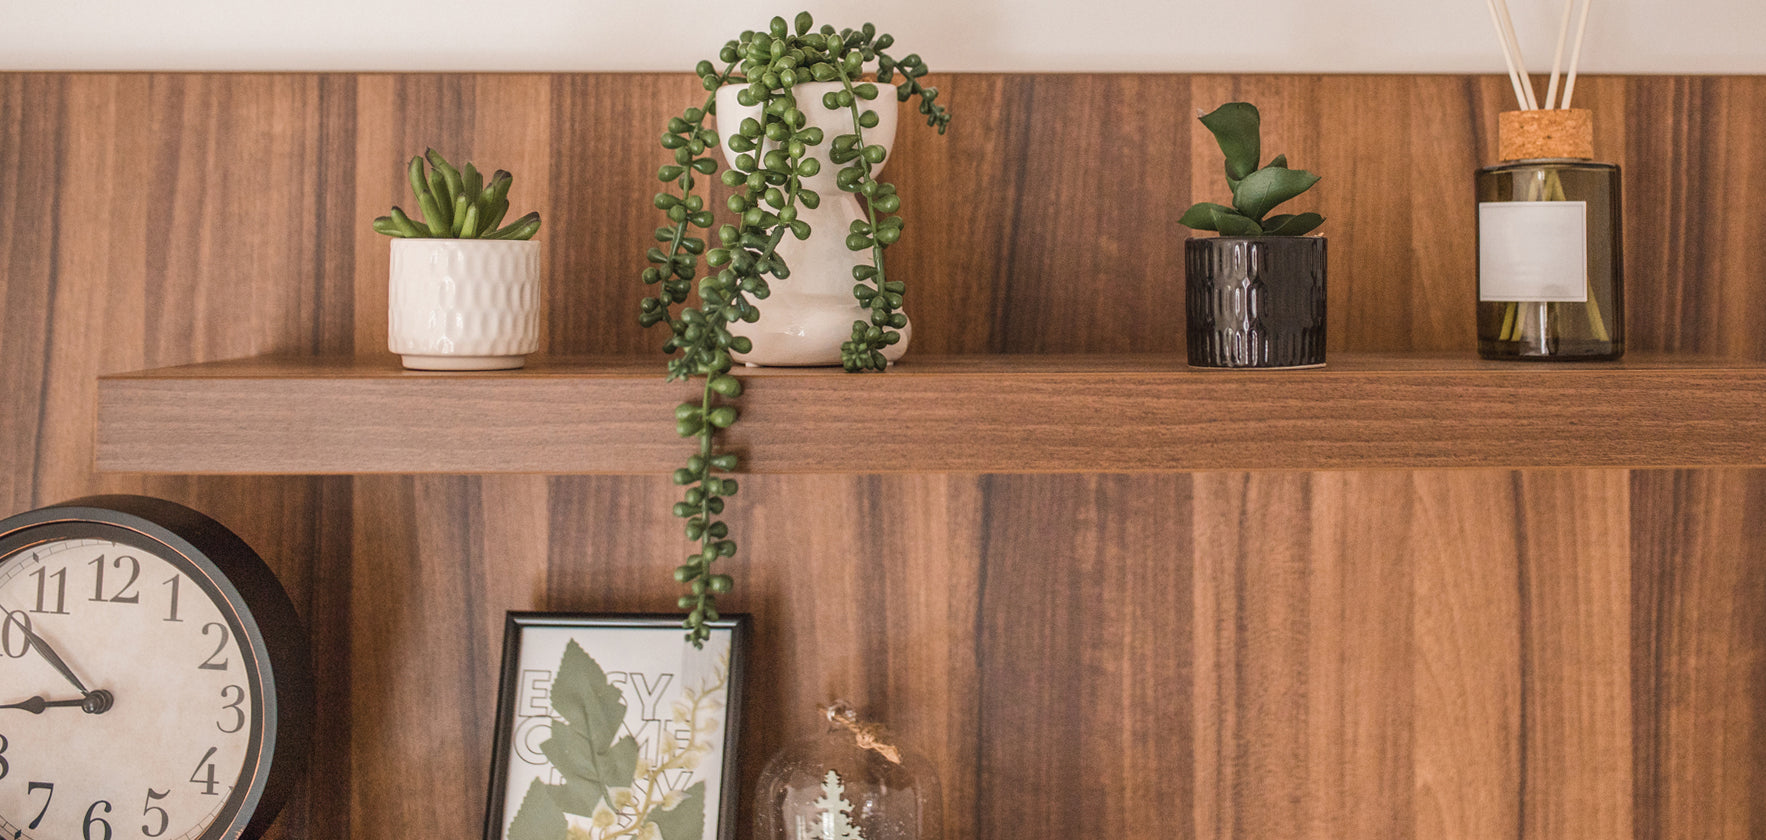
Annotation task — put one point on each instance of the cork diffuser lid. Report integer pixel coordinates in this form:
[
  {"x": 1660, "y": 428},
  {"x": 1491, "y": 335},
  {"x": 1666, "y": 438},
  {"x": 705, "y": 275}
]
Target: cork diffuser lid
[{"x": 1545, "y": 133}]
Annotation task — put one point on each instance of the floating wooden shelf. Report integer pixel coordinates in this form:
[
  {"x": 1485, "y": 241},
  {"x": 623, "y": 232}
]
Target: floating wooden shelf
[{"x": 932, "y": 414}]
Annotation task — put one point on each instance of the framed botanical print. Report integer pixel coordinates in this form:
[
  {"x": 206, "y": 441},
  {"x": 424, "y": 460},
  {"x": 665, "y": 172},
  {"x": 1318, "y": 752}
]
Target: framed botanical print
[{"x": 613, "y": 727}]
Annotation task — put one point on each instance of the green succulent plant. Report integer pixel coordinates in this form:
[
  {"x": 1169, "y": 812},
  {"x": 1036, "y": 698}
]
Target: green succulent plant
[
  {"x": 1256, "y": 190},
  {"x": 456, "y": 204},
  {"x": 768, "y": 194}
]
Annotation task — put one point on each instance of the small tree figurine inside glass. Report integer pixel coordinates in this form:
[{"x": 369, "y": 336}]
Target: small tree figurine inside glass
[{"x": 850, "y": 783}]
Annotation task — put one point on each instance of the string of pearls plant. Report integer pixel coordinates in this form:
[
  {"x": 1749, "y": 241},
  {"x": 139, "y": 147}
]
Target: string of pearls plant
[{"x": 772, "y": 159}]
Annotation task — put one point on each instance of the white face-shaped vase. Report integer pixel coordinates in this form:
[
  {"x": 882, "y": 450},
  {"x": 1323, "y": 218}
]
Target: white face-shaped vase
[{"x": 810, "y": 314}]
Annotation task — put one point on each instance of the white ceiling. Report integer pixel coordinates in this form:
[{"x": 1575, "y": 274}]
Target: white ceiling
[{"x": 1325, "y": 36}]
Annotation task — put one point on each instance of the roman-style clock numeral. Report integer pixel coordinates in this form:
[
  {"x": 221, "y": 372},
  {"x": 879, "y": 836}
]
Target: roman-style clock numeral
[
  {"x": 42, "y": 575},
  {"x": 23, "y": 637},
  {"x": 173, "y": 583},
  {"x": 148, "y": 808},
  {"x": 234, "y": 707},
  {"x": 33, "y": 787},
  {"x": 91, "y": 820},
  {"x": 123, "y": 596},
  {"x": 210, "y": 664},
  {"x": 209, "y": 782}
]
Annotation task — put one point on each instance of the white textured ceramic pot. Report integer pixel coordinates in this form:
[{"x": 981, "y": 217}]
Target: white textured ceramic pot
[
  {"x": 809, "y": 314},
  {"x": 464, "y": 304}
]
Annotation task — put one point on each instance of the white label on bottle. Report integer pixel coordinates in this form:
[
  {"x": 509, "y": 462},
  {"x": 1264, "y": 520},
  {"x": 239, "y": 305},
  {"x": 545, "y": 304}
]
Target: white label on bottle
[{"x": 1533, "y": 251}]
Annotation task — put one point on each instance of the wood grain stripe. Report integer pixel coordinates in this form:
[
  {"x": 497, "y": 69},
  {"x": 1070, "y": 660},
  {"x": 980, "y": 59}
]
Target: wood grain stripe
[{"x": 1698, "y": 653}]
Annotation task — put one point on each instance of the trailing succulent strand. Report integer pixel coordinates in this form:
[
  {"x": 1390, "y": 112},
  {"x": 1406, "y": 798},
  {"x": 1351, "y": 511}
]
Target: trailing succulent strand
[
  {"x": 456, "y": 204},
  {"x": 772, "y": 159}
]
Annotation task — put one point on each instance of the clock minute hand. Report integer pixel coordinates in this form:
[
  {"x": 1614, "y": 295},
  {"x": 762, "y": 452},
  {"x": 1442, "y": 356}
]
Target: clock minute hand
[{"x": 54, "y": 660}]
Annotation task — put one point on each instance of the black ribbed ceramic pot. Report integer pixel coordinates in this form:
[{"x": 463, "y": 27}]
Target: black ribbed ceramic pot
[{"x": 1256, "y": 301}]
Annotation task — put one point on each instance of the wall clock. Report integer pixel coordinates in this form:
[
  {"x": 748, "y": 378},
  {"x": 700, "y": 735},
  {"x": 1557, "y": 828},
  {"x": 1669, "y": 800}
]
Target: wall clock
[{"x": 154, "y": 680}]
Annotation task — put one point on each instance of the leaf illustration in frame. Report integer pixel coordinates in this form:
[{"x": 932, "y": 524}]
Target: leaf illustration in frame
[
  {"x": 585, "y": 746},
  {"x": 539, "y": 818},
  {"x": 686, "y": 820}
]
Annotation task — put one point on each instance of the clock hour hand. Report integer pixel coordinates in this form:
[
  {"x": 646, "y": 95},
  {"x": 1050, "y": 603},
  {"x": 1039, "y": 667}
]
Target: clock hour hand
[{"x": 95, "y": 703}]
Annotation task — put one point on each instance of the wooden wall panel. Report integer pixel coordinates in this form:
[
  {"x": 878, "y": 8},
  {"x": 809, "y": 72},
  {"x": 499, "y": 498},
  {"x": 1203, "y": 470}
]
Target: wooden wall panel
[
  {"x": 419, "y": 655},
  {"x": 1084, "y": 695},
  {"x": 154, "y": 220},
  {"x": 432, "y": 590},
  {"x": 1251, "y": 642},
  {"x": 1361, "y": 587},
  {"x": 30, "y": 168},
  {"x": 1572, "y": 554},
  {"x": 1038, "y": 225},
  {"x": 1698, "y": 653},
  {"x": 1318, "y": 655},
  {"x": 1251, "y": 652},
  {"x": 1689, "y": 279},
  {"x": 1466, "y": 780}
]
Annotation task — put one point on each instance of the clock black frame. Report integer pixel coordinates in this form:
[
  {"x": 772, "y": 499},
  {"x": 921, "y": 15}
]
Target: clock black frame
[{"x": 260, "y": 612}]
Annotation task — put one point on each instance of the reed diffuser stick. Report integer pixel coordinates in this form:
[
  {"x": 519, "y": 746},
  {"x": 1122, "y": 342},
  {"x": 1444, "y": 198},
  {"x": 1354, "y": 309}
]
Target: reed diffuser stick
[
  {"x": 1576, "y": 54},
  {"x": 1557, "y": 58},
  {"x": 1514, "y": 75},
  {"x": 1508, "y": 28}
]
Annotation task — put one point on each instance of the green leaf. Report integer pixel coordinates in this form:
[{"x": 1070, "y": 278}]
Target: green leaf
[
  {"x": 1201, "y": 216},
  {"x": 1230, "y": 223},
  {"x": 585, "y": 746},
  {"x": 1236, "y": 129},
  {"x": 587, "y": 773},
  {"x": 584, "y": 697},
  {"x": 1299, "y": 225},
  {"x": 539, "y": 817},
  {"x": 1280, "y": 162},
  {"x": 686, "y": 821},
  {"x": 1264, "y": 189}
]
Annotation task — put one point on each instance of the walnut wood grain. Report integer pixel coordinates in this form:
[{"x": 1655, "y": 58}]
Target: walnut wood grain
[
  {"x": 1698, "y": 653},
  {"x": 150, "y": 220},
  {"x": 1024, "y": 414},
  {"x": 1435, "y": 654}
]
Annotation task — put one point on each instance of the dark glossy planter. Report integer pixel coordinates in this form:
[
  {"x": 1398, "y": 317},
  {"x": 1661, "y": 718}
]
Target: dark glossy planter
[{"x": 1256, "y": 302}]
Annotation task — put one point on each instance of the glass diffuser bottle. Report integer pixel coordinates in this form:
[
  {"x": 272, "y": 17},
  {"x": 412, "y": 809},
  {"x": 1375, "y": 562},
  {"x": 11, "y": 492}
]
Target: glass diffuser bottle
[{"x": 1551, "y": 284}]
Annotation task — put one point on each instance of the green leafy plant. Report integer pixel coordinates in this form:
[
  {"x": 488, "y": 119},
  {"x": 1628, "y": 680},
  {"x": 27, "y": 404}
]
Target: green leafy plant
[
  {"x": 456, "y": 204},
  {"x": 771, "y": 162},
  {"x": 1256, "y": 190}
]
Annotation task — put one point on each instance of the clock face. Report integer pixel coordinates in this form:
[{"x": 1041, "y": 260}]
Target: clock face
[{"x": 164, "y": 741}]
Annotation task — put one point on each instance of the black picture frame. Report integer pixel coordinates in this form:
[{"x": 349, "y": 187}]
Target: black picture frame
[{"x": 581, "y": 626}]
